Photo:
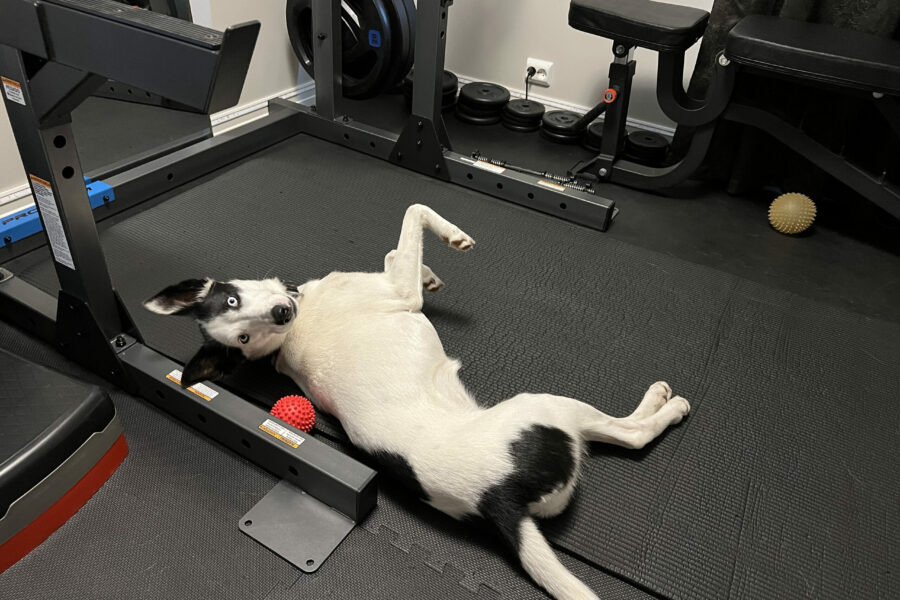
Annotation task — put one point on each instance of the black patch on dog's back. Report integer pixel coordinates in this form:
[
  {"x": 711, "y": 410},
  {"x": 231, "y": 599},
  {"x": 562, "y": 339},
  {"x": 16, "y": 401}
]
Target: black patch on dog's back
[
  {"x": 543, "y": 461},
  {"x": 398, "y": 468}
]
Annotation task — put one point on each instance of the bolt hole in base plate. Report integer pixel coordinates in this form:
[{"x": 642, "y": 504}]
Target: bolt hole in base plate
[{"x": 296, "y": 526}]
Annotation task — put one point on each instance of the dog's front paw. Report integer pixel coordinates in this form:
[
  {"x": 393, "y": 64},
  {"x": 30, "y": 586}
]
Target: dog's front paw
[
  {"x": 432, "y": 284},
  {"x": 460, "y": 241},
  {"x": 682, "y": 407}
]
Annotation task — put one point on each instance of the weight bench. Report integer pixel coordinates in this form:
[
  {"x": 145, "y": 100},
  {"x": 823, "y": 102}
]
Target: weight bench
[{"x": 846, "y": 62}]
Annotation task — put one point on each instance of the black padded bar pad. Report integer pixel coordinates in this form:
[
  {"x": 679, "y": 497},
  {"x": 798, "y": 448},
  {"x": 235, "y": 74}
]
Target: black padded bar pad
[
  {"x": 781, "y": 483},
  {"x": 199, "y": 67},
  {"x": 654, "y": 25},
  {"x": 44, "y": 418},
  {"x": 815, "y": 51}
]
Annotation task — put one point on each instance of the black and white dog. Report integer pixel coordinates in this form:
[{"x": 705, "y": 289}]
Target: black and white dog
[{"x": 360, "y": 348}]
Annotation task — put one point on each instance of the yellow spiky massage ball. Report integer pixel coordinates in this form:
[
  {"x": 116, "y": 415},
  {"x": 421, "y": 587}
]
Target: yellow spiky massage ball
[{"x": 792, "y": 213}]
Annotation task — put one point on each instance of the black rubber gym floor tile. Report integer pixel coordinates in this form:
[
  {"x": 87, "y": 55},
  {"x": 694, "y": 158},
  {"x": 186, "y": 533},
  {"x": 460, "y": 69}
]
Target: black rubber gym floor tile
[
  {"x": 782, "y": 481},
  {"x": 145, "y": 534}
]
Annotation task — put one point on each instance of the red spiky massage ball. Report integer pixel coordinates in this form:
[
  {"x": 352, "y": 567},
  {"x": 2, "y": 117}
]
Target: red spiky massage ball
[{"x": 296, "y": 411}]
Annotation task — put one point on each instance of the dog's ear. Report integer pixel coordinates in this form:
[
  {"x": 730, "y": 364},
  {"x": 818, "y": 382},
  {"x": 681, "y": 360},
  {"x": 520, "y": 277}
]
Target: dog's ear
[
  {"x": 212, "y": 362},
  {"x": 181, "y": 298}
]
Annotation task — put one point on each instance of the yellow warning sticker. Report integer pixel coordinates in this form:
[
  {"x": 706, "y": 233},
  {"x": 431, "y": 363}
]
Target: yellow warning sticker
[
  {"x": 486, "y": 166},
  {"x": 280, "y": 432},
  {"x": 204, "y": 391},
  {"x": 552, "y": 186},
  {"x": 13, "y": 91}
]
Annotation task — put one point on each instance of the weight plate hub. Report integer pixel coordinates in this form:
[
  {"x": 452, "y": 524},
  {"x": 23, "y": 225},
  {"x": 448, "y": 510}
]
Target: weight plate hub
[
  {"x": 561, "y": 121},
  {"x": 484, "y": 95},
  {"x": 646, "y": 146},
  {"x": 527, "y": 110}
]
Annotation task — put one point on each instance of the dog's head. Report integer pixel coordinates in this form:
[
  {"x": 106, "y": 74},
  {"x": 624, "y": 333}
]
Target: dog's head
[{"x": 239, "y": 320}]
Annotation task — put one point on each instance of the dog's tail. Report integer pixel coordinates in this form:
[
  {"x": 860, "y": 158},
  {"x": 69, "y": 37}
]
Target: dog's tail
[{"x": 541, "y": 563}]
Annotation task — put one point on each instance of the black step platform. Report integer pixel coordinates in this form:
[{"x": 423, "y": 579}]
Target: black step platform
[{"x": 59, "y": 441}]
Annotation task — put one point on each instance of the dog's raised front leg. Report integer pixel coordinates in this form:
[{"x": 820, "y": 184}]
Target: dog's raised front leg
[
  {"x": 405, "y": 270},
  {"x": 430, "y": 281}
]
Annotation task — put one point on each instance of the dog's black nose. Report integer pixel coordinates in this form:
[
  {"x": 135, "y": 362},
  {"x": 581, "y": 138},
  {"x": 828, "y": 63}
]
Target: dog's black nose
[{"x": 282, "y": 314}]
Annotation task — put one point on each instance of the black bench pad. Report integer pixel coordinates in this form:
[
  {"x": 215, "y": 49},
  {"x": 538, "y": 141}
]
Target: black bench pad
[
  {"x": 654, "y": 25},
  {"x": 814, "y": 51}
]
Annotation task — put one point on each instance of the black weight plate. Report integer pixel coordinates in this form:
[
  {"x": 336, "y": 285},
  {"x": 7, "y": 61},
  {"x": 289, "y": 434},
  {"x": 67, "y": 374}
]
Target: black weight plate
[
  {"x": 593, "y": 136},
  {"x": 403, "y": 45},
  {"x": 476, "y": 112},
  {"x": 519, "y": 121},
  {"x": 525, "y": 109},
  {"x": 484, "y": 95},
  {"x": 560, "y": 138},
  {"x": 449, "y": 84},
  {"x": 473, "y": 120},
  {"x": 521, "y": 128},
  {"x": 409, "y": 39},
  {"x": 646, "y": 146},
  {"x": 560, "y": 121},
  {"x": 366, "y": 43}
]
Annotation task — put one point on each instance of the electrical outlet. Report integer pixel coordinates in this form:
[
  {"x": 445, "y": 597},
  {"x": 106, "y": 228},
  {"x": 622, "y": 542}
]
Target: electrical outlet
[{"x": 543, "y": 70}]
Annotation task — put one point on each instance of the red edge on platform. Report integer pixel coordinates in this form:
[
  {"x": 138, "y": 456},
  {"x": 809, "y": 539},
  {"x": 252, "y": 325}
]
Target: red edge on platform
[{"x": 33, "y": 534}]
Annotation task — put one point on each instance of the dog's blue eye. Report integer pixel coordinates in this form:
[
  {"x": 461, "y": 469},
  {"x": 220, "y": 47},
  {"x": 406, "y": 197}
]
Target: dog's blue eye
[
  {"x": 244, "y": 338},
  {"x": 232, "y": 301}
]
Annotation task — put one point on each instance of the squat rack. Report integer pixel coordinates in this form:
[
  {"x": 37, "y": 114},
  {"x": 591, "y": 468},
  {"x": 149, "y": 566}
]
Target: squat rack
[{"x": 424, "y": 145}]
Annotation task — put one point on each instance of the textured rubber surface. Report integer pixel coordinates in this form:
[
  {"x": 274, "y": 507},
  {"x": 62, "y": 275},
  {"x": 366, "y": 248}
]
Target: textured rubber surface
[
  {"x": 31, "y": 399},
  {"x": 781, "y": 483},
  {"x": 163, "y": 527}
]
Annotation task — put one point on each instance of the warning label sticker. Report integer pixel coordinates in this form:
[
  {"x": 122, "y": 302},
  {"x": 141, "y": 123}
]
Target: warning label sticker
[
  {"x": 486, "y": 166},
  {"x": 551, "y": 185},
  {"x": 282, "y": 433},
  {"x": 13, "y": 91},
  {"x": 204, "y": 391},
  {"x": 43, "y": 195}
]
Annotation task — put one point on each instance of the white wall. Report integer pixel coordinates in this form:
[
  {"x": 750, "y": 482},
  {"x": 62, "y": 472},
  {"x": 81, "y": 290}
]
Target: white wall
[
  {"x": 491, "y": 40},
  {"x": 12, "y": 174},
  {"x": 274, "y": 67}
]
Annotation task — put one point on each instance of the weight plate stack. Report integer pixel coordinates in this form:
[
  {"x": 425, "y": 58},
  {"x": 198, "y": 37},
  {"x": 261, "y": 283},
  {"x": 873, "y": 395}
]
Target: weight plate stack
[
  {"x": 523, "y": 115},
  {"x": 646, "y": 147},
  {"x": 448, "y": 93},
  {"x": 481, "y": 103},
  {"x": 593, "y": 136},
  {"x": 559, "y": 126}
]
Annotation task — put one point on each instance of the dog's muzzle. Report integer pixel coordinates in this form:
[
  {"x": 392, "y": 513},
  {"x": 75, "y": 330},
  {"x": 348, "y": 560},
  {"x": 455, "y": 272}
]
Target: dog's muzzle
[{"x": 282, "y": 314}]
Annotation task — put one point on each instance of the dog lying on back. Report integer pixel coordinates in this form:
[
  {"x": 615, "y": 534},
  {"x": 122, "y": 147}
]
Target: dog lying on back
[{"x": 360, "y": 348}]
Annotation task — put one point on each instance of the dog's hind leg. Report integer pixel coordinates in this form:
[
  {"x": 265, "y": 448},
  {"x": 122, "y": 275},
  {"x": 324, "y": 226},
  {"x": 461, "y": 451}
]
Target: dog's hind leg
[
  {"x": 405, "y": 270},
  {"x": 430, "y": 281},
  {"x": 635, "y": 432}
]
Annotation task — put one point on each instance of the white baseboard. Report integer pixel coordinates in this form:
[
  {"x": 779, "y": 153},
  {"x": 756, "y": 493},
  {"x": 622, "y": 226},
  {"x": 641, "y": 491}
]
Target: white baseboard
[
  {"x": 16, "y": 196},
  {"x": 240, "y": 115},
  {"x": 558, "y": 105}
]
